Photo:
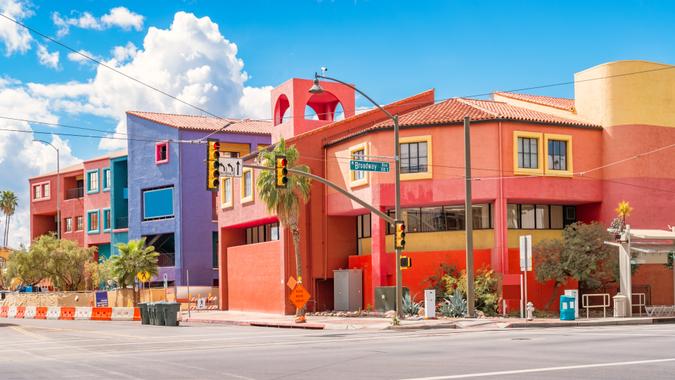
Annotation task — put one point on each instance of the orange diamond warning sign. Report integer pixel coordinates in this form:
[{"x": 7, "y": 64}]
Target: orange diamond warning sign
[{"x": 299, "y": 296}]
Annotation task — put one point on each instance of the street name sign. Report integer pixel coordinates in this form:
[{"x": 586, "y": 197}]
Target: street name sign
[
  {"x": 369, "y": 166},
  {"x": 232, "y": 167},
  {"x": 526, "y": 253}
]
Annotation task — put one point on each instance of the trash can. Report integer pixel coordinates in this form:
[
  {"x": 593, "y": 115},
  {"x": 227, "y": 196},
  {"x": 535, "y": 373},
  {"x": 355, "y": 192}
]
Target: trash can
[
  {"x": 145, "y": 317},
  {"x": 566, "y": 308},
  {"x": 619, "y": 306},
  {"x": 171, "y": 310},
  {"x": 159, "y": 313},
  {"x": 152, "y": 313}
]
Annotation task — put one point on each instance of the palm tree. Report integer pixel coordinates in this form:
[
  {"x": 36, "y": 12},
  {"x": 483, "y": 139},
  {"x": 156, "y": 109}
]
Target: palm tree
[
  {"x": 285, "y": 202},
  {"x": 134, "y": 258},
  {"x": 8, "y": 203}
]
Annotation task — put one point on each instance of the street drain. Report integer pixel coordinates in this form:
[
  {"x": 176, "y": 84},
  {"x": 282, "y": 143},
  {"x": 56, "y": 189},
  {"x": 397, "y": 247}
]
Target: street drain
[
  {"x": 332, "y": 335},
  {"x": 521, "y": 338}
]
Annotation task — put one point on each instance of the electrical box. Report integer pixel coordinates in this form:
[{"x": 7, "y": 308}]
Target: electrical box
[{"x": 348, "y": 290}]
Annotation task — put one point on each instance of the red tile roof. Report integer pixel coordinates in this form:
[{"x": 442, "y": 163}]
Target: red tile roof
[
  {"x": 549, "y": 101},
  {"x": 454, "y": 110},
  {"x": 207, "y": 123}
]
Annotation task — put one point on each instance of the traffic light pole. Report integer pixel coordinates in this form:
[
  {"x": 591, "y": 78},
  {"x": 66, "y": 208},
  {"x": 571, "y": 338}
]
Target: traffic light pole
[
  {"x": 468, "y": 212},
  {"x": 397, "y": 214}
]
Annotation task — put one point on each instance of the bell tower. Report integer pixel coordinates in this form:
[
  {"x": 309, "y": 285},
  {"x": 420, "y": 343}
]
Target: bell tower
[{"x": 295, "y": 110}]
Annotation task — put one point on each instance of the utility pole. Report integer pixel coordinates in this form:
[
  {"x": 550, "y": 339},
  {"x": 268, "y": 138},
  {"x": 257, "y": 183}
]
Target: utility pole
[
  {"x": 468, "y": 222},
  {"x": 397, "y": 211}
]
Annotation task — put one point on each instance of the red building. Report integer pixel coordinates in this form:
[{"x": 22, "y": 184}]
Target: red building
[
  {"x": 84, "y": 192},
  {"x": 539, "y": 163}
]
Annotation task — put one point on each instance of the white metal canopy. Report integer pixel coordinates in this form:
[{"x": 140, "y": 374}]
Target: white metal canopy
[{"x": 646, "y": 241}]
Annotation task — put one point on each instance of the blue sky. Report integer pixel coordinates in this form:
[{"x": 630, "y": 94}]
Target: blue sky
[{"x": 389, "y": 49}]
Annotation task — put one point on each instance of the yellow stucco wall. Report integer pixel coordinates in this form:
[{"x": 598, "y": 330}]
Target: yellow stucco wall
[
  {"x": 513, "y": 236},
  {"x": 437, "y": 241},
  {"x": 647, "y": 97}
]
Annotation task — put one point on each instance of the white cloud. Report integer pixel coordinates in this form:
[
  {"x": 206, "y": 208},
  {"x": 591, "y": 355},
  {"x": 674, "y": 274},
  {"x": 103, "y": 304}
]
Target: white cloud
[
  {"x": 191, "y": 60},
  {"x": 75, "y": 57},
  {"x": 46, "y": 58},
  {"x": 22, "y": 157},
  {"x": 123, "y": 18},
  {"x": 120, "y": 17},
  {"x": 14, "y": 37}
]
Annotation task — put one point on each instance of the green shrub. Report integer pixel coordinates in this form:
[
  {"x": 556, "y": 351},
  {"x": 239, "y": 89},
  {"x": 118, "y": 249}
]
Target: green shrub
[{"x": 485, "y": 285}]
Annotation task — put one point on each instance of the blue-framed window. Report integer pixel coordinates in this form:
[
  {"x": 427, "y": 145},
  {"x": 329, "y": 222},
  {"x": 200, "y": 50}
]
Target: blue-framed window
[
  {"x": 158, "y": 203},
  {"x": 93, "y": 179},
  {"x": 93, "y": 221},
  {"x": 106, "y": 220},
  {"x": 107, "y": 180}
]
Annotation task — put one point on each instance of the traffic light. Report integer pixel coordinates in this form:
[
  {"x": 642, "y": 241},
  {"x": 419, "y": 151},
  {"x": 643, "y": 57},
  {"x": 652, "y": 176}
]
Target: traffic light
[
  {"x": 399, "y": 238},
  {"x": 406, "y": 262},
  {"x": 212, "y": 164},
  {"x": 280, "y": 163}
]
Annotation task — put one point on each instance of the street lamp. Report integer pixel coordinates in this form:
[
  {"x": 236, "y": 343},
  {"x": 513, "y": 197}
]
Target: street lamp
[
  {"x": 58, "y": 188},
  {"x": 316, "y": 89}
]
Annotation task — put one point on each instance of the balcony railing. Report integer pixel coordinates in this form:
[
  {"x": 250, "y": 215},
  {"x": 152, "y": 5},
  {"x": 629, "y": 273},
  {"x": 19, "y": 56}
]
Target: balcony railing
[
  {"x": 122, "y": 222},
  {"x": 77, "y": 192}
]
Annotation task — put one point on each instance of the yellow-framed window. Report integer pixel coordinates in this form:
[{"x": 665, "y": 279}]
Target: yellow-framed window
[
  {"x": 558, "y": 155},
  {"x": 358, "y": 177},
  {"x": 528, "y": 157},
  {"x": 247, "y": 185},
  {"x": 226, "y": 192},
  {"x": 416, "y": 157}
]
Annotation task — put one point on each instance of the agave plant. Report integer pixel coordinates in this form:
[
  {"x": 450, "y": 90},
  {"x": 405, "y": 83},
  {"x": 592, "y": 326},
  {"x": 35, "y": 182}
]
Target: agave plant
[
  {"x": 410, "y": 307},
  {"x": 454, "y": 307}
]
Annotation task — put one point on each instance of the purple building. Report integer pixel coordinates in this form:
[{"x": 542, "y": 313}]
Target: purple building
[{"x": 168, "y": 201}]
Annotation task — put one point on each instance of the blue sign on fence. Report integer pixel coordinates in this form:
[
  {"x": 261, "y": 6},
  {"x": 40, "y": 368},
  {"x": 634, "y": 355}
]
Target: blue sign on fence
[
  {"x": 369, "y": 166},
  {"x": 102, "y": 299}
]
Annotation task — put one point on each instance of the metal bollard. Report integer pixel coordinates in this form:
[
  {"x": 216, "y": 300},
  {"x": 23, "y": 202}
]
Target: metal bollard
[{"x": 530, "y": 311}]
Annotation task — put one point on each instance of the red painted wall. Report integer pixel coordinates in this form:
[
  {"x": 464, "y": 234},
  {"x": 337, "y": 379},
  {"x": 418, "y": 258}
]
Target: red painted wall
[
  {"x": 255, "y": 280},
  {"x": 96, "y": 201}
]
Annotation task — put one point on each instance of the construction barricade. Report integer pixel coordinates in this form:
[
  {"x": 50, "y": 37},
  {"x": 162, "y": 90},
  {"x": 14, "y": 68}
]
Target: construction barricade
[
  {"x": 71, "y": 313},
  {"x": 30, "y": 312},
  {"x": 67, "y": 313},
  {"x": 41, "y": 312}
]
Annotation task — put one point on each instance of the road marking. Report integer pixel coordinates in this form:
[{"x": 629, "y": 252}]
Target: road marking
[
  {"x": 544, "y": 369},
  {"x": 23, "y": 331}
]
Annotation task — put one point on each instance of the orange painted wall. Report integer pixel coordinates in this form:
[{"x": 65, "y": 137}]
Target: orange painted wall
[
  {"x": 659, "y": 279},
  {"x": 255, "y": 280}
]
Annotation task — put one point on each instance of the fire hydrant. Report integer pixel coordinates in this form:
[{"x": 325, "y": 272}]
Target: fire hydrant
[{"x": 530, "y": 311}]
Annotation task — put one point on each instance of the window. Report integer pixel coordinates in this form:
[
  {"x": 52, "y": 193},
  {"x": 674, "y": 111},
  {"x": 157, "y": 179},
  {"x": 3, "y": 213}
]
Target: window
[
  {"x": 41, "y": 191},
  {"x": 106, "y": 219},
  {"x": 162, "y": 152},
  {"x": 46, "y": 193},
  {"x": 68, "y": 224},
  {"x": 444, "y": 218},
  {"x": 37, "y": 192},
  {"x": 559, "y": 155},
  {"x": 358, "y": 177},
  {"x": 363, "y": 231},
  {"x": 93, "y": 222},
  {"x": 158, "y": 203},
  {"x": 540, "y": 217},
  {"x": 226, "y": 192},
  {"x": 247, "y": 185},
  {"x": 262, "y": 233},
  {"x": 528, "y": 153},
  {"x": 214, "y": 246},
  {"x": 165, "y": 246},
  {"x": 92, "y": 181},
  {"x": 414, "y": 157},
  {"x": 106, "y": 179},
  {"x": 78, "y": 224}
]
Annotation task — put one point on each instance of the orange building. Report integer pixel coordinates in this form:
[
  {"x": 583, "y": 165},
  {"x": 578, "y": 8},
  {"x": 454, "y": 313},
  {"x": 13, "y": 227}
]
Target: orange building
[{"x": 539, "y": 163}]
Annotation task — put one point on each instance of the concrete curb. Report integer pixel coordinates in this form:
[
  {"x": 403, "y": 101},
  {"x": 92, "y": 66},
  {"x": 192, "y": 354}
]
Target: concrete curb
[
  {"x": 281, "y": 325},
  {"x": 447, "y": 325},
  {"x": 628, "y": 322}
]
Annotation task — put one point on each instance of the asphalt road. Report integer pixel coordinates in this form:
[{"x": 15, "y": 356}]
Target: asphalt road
[{"x": 38, "y": 349}]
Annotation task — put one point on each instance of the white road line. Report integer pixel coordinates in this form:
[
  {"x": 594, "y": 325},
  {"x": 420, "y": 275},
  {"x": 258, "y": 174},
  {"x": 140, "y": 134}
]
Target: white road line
[{"x": 544, "y": 369}]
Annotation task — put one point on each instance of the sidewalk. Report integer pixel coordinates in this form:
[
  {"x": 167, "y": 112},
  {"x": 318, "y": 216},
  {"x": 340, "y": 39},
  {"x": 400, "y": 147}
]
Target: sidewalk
[
  {"x": 380, "y": 323},
  {"x": 313, "y": 322}
]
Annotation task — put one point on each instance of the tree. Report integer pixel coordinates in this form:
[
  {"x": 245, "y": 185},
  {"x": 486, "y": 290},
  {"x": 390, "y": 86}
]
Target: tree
[
  {"x": 285, "y": 202},
  {"x": 134, "y": 257},
  {"x": 581, "y": 254},
  {"x": 66, "y": 261},
  {"x": 26, "y": 266},
  {"x": 8, "y": 203}
]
